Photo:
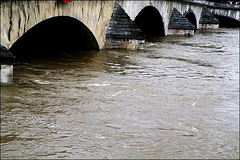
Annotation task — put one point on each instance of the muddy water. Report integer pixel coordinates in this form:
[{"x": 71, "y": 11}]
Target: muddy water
[{"x": 176, "y": 98}]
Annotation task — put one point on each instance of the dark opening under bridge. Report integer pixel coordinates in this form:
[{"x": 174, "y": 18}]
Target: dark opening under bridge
[{"x": 45, "y": 25}]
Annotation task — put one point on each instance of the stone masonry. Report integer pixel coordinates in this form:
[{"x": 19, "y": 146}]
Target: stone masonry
[
  {"x": 208, "y": 20},
  {"x": 179, "y": 25},
  {"x": 122, "y": 32}
]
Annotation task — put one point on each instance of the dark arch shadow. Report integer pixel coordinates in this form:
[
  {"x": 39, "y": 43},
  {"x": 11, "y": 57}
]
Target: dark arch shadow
[
  {"x": 53, "y": 36},
  {"x": 192, "y": 18},
  {"x": 227, "y": 21},
  {"x": 150, "y": 22}
]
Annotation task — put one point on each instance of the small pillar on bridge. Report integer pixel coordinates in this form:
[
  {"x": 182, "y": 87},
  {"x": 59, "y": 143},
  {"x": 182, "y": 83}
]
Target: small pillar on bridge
[
  {"x": 208, "y": 20},
  {"x": 122, "y": 32},
  {"x": 7, "y": 60},
  {"x": 179, "y": 25}
]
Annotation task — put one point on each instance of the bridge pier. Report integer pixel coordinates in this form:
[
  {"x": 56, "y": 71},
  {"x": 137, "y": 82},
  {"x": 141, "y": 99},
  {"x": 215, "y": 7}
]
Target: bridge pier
[
  {"x": 179, "y": 25},
  {"x": 122, "y": 32},
  {"x": 208, "y": 20}
]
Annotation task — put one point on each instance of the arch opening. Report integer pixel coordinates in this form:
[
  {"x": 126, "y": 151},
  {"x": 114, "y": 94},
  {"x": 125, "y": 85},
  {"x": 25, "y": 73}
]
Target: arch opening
[
  {"x": 53, "y": 36},
  {"x": 150, "y": 22},
  {"x": 227, "y": 21},
  {"x": 192, "y": 18}
]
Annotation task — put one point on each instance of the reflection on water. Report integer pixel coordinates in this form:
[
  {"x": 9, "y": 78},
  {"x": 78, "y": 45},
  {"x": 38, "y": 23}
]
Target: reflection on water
[{"x": 176, "y": 98}]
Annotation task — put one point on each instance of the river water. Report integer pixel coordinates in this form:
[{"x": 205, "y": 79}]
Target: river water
[{"x": 178, "y": 97}]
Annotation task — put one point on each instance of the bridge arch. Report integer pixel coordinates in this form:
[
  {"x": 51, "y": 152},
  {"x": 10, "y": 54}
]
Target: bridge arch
[
  {"x": 227, "y": 21},
  {"x": 150, "y": 21},
  {"x": 60, "y": 33},
  {"x": 191, "y": 17},
  {"x": 17, "y": 17}
]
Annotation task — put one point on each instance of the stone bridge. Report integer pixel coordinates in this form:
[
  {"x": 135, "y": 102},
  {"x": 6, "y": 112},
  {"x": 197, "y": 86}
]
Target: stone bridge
[
  {"x": 40, "y": 25},
  {"x": 188, "y": 8}
]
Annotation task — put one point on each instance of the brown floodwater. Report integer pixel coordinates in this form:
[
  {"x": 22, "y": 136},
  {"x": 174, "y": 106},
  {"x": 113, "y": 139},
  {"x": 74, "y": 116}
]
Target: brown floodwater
[{"x": 178, "y": 97}]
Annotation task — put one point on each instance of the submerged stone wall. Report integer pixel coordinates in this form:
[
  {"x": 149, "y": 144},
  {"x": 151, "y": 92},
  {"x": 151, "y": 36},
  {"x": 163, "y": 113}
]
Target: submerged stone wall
[{"x": 180, "y": 32}]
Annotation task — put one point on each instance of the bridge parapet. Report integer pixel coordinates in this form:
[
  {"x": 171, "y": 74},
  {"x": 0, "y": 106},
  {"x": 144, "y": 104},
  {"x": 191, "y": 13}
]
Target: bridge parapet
[{"x": 214, "y": 4}]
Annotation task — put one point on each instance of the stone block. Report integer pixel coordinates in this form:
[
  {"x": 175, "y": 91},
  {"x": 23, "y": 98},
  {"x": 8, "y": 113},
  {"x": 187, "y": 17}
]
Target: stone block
[
  {"x": 180, "y": 32},
  {"x": 208, "y": 26}
]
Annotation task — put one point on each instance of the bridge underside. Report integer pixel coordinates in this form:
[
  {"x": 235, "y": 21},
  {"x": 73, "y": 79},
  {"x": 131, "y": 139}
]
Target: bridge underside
[
  {"x": 192, "y": 18},
  {"x": 150, "y": 22},
  {"x": 227, "y": 22},
  {"x": 54, "y": 35}
]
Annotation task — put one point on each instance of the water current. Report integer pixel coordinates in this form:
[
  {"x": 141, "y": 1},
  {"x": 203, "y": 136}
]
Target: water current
[{"x": 177, "y": 97}]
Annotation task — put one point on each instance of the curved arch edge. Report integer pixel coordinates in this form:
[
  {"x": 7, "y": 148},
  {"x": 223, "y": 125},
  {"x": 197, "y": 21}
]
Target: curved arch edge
[
  {"x": 150, "y": 21},
  {"x": 58, "y": 33}
]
